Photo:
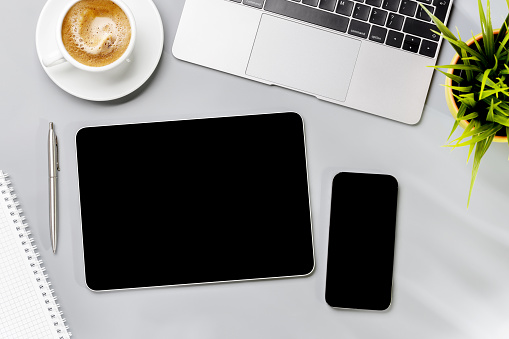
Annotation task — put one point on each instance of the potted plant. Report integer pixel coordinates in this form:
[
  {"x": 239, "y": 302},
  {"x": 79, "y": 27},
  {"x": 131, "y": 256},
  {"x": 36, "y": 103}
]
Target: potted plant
[{"x": 477, "y": 90}]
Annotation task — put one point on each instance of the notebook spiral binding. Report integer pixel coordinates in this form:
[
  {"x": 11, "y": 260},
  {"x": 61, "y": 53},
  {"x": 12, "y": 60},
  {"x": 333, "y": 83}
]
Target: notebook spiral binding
[{"x": 32, "y": 256}]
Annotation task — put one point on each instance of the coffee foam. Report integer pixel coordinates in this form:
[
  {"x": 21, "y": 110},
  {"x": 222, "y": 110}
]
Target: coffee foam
[{"x": 96, "y": 32}]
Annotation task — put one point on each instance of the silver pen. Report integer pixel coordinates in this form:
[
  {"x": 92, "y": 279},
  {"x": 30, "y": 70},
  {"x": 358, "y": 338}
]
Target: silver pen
[{"x": 53, "y": 168}]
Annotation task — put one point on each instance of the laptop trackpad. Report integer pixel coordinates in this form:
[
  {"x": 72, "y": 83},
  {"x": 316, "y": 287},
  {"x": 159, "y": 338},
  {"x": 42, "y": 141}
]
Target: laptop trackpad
[{"x": 304, "y": 58}]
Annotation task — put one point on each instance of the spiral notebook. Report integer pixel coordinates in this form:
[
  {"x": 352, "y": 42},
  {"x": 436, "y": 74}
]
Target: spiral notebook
[{"x": 28, "y": 308}]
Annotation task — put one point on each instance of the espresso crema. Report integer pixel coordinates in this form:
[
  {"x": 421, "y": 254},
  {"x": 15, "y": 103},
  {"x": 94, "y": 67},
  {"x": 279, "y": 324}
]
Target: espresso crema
[{"x": 96, "y": 32}]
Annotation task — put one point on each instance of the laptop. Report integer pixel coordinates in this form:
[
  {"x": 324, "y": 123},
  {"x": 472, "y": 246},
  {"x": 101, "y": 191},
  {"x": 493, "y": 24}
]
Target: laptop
[{"x": 370, "y": 55}]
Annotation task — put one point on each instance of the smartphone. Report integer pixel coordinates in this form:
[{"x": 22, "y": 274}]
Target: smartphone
[{"x": 361, "y": 241}]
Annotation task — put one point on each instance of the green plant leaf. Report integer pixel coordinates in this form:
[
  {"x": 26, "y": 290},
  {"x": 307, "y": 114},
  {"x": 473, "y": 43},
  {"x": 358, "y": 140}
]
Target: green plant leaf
[
  {"x": 483, "y": 83},
  {"x": 475, "y": 130},
  {"x": 469, "y": 73},
  {"x": 476, "y": 43},
  {"x": 500, "y": 106},
  {"x": 453, "y": 77},
  {"x": 490, "y": 115},
  {"x": 502, "y": 44},
  {"x": 470, "y": 58},
  {"x": 467, "y": 99},
  {"x": 488, "y": 81},
  {"x": 487, "y": 30},
  {"x": 502, "y": 120},
  {"x": 490, "y": 92},
  {"x": 501, "y": 111},
  {"x": 480, "y": 150},
  {"x": 495, "y": 67},
  {"x": 459, "y": 66},
  {"x": 503, "y": 56},
  {"x": 468, "y": 116},
  {"x": 471, "y": 147},
  {"x": 459, "y": 88},
  {"x": 492, "y": 130},
  {"x": 505, "y": 71},
  {"x": 461, "y": 113}
]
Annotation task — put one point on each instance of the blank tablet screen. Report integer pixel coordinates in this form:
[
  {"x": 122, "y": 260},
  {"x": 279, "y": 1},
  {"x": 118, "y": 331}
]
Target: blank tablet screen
[{"x": 194, "y": 201}]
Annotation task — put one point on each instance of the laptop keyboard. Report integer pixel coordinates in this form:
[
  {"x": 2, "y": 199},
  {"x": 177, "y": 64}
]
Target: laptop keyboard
[{"x": 397, "y": 23}]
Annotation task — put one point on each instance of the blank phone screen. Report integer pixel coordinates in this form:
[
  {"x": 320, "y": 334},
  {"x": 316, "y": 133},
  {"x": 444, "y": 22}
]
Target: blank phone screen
[{"x": 361, "y": 241}]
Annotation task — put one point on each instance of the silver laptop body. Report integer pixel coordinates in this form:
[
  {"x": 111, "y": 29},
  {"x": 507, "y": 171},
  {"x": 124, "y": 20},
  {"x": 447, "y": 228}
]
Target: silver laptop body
[{"x": 315, "y": 47}]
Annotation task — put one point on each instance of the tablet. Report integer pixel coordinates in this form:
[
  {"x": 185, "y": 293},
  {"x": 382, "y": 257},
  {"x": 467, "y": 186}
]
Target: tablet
[{"x": 194, "y": 201}]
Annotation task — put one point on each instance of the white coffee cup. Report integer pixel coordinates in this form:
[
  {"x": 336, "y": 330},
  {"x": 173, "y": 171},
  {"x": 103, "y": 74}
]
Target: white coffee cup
[{"x": 61, "y": 55}]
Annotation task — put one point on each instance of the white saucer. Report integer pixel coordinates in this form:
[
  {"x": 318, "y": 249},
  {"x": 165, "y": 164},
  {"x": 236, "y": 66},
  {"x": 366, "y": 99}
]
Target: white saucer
[{"x": 115, "y": 83}]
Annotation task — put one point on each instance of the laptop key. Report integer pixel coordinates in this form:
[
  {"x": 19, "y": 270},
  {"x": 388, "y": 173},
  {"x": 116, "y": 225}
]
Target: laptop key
[
  {"x": 395, "y": 21},
  {"x": 411, "y": 43},
  {"x": 394, "y": 39},
  {"x": 428, "y": 48},
  {"x": 253, "y": 3},
  {"x": 421, "y": 29},
  {"x": 412, "y": 40},
  {"x": 378, "y": 34},
  {"x": 441, "y": 7},
  {"x": 410, "y": 47},
  {"x": 361, "y": 12},
  {"x": 390, "y": 5},
  {"x": 426, "y": 1},
  {"x": 310, "y": 2},
  {"x": 308, "y": 14},
  {"x": 345, "y": 7},
  {"x": 359, "y": 29},
  {"x": 408, "y": 7},
  {"x": 421, "y": 14},
  {"x": 378, "y": 16},
  {"x": 375, "y": 3},
  {"x": 328, "y": 5}
]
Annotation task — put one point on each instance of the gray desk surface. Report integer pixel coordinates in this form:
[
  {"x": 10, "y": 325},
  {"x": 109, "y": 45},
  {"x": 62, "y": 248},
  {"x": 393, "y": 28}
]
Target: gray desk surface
[{"x": 451, "y": 265}]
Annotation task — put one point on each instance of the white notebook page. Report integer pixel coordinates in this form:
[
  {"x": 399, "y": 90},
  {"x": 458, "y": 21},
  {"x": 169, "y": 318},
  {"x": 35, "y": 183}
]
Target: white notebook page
[{"x": 27, "y": 306}]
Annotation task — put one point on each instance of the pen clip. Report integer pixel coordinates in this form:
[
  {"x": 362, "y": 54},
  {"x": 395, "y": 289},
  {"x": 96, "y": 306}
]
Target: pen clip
[{"x": 56, "y": 153}]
